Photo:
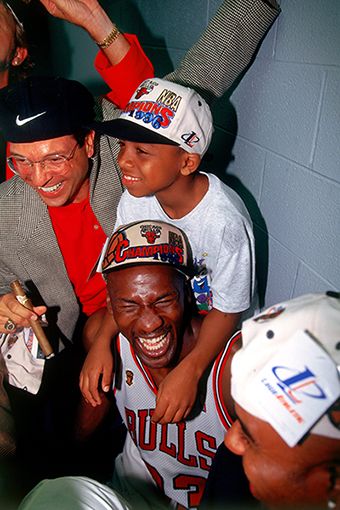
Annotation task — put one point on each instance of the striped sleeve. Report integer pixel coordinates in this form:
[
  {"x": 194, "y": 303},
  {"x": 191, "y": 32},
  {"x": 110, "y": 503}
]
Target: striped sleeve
[{"x": 226, "y": 46}]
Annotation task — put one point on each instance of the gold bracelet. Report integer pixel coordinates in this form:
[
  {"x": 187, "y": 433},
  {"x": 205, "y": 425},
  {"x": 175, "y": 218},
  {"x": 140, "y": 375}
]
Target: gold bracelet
[{"x": 109, "y": 39}]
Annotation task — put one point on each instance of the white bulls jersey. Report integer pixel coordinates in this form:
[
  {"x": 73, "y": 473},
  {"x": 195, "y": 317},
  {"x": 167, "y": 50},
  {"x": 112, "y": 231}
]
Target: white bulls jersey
[{"x": 178, "y": 456}]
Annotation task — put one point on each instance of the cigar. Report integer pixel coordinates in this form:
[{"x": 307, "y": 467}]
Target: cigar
[{"x": 35, "y": 324}]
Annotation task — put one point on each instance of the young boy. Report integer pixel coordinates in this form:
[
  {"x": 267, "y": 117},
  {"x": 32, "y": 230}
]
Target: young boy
[{"x": 164, "y": 132}]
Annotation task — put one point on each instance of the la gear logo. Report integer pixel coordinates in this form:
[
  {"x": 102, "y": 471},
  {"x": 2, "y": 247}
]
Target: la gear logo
[
  {"x": 190, "y": 139},
  {"x": 292, "y": 387},
  {"x": 296, "y": 384},
  {"x": 150, "y": 232}
]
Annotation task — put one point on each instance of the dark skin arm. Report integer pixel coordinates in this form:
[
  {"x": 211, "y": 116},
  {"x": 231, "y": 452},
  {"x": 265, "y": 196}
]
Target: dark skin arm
[
  {"x": 98, "y": 334},
  {"x": 175, "y": 397}
]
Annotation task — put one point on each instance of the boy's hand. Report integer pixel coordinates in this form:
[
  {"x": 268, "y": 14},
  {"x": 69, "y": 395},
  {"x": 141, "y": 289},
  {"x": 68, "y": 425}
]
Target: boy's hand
[
  {"x": 98, "y": 363},
  {"x": 176, "y": 395}
]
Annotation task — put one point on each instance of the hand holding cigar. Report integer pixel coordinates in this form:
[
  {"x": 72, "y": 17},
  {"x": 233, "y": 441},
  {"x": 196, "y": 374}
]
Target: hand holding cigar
[{"x": 35, "y": 325}]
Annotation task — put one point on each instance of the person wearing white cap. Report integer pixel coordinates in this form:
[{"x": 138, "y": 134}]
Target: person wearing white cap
[
  {"x": 285, "y": 382},
  {"x": 164, "y": 132}
]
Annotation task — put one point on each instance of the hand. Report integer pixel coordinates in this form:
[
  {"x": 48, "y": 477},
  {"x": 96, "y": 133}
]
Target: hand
[
  {"x": 78, "y": 12},
  {"x": 10, "y": 308},
  {"x": 90, "y": 15},
  {"x": 175, "y": 396},
  {"x": 98, "y": 363}
]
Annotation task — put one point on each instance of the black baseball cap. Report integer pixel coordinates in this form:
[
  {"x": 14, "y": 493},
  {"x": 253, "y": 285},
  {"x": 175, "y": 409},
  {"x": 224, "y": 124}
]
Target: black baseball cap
[{"x": 41, "y": 107}]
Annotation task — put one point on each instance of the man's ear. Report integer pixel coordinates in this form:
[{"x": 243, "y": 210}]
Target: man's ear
[
  {"x": 19, "y": 56},
  {"x": 191, "y": 163},
  {"x": 89, "y": 143}
]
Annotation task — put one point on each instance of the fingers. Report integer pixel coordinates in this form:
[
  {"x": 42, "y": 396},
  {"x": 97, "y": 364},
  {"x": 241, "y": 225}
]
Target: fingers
[
  {"x": 88, "y": 383},
  {"x": 89, "y": 379},
  {"x": 10, "y": 306},
  {"x": 12, "y": 312},
  {"x": 174, "y": 398},
  {"x": 14, "y": 315},
  {"x": 107, "y": 378},
  {"x": 170, "y": 414},
  {"x": 39, "y": 310},
  {"x": 7, "y": 325}
]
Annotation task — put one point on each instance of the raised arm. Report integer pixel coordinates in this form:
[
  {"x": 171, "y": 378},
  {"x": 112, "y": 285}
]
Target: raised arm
[
  {"x": 226, "y": 46},
  {"x": 224, "y": 49},
  {"x": 121, "y": 55}
]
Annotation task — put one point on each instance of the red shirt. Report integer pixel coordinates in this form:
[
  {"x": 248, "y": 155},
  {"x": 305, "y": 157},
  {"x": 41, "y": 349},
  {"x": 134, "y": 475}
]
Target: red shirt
[
  {"x": 79, "y": 234},
  {"x": 81, "y": 238}
]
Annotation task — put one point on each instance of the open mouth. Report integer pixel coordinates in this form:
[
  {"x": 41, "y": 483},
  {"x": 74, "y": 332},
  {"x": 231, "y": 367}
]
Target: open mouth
[
  {"x": 156, "y": 346},
  {"x": 50, "y": 189}
]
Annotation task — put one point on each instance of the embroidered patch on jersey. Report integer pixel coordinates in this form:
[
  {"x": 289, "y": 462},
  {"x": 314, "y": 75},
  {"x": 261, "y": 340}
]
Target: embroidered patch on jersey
[{"x": 129, "y": 377}]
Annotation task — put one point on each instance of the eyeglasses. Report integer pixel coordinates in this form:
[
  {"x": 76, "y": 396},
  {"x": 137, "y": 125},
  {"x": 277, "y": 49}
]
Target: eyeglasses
[{"x": 21, "y": 166}]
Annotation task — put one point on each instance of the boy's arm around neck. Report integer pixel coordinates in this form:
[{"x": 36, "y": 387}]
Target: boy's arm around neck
[{"x": 177, "y": 393}]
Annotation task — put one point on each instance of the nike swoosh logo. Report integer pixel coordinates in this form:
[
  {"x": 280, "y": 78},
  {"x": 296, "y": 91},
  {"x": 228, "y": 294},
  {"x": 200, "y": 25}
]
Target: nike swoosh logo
[{"x": 21, "y": 122}]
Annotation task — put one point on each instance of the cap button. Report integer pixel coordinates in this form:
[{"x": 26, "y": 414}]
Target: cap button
[{"x": 332, "y": 293}]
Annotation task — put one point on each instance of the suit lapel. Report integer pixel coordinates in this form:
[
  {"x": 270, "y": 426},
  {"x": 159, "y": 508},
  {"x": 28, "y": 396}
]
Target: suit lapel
[
  {"x": 40, "y": 251},
  {"x": 105, "y": 184}
]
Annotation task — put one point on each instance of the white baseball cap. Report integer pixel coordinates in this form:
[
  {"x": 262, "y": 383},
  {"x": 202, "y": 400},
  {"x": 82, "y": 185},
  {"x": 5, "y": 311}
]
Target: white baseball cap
[
  {"x": 164, "y": 112},
  {"x": 288, "y": 369}
]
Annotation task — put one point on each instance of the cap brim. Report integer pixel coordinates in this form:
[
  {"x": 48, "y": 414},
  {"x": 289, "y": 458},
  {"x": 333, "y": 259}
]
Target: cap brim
[
  {"x": 187, "y": 272},
  {"x": 127, "y": 130}
]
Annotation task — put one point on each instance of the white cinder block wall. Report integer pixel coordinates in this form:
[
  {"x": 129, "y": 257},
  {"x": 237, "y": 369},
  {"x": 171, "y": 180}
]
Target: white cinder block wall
[{"x": 277, "y": 139}]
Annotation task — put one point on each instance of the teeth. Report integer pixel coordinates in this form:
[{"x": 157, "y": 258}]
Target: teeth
[
  {"x": 51, "y": 188},
  {"x": 152, "y": 344},
  {"x": 130, "y": 178}
]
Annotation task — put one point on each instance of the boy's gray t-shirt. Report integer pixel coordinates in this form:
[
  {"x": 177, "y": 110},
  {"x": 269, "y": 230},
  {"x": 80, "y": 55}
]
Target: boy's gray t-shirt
[{"x": 222, "y": 241}]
